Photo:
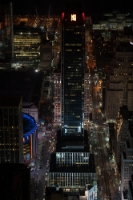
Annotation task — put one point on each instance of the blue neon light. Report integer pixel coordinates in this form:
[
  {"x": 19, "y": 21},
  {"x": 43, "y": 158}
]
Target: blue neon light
[{"x": 29, "y": 125}]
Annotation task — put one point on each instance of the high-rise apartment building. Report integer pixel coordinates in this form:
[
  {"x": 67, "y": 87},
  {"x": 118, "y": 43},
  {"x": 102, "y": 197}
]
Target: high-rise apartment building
[
  {"x": 72, "y": 166},
  {"x": 119, "y": 89},
  {"x": 11, "y": 130}
]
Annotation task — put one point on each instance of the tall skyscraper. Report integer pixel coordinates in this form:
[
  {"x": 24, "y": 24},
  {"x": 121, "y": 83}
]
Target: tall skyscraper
[
  {"x": 72, "y": 165},
  {"x": 73, "y": 65}
]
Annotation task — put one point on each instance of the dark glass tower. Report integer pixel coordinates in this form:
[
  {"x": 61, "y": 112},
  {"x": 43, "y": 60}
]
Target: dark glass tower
[
  {"x": 72, "y": 166},
  {"x": 73, "y": 54}
]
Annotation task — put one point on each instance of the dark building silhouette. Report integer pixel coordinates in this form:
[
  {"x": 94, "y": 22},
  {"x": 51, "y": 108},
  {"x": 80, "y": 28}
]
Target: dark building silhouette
[
  {"x": 14, "y": 182},
  {"x": 73, "y": 55},
  {"x": 11, "y": 129}
]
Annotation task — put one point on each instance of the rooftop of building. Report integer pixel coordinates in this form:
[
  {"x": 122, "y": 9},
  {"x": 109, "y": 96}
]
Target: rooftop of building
[
  {"x": 24, "y": 30},
  {"x": 10, "y": 100},
  {"x": 72, "y": 143},
  {"x": 28, "y": 105},
  {"x": 72, "y": 169},
  {"x": 55, "y": 192},
  {"x": 24, "y": 83}
]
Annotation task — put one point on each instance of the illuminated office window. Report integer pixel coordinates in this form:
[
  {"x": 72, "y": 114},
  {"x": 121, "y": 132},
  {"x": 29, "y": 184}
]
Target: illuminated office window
[{"x": 73, "y": 17}]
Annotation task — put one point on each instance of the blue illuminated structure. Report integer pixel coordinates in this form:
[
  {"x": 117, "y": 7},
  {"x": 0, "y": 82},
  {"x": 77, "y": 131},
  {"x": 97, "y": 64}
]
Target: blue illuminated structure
[
  {"x": 29, "y": 137},
  {"x": 29, "y": 125}
]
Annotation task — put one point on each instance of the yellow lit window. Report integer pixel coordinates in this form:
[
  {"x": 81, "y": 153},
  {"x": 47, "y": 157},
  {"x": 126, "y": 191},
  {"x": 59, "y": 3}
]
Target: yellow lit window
[{"x": 73, "y": 17}]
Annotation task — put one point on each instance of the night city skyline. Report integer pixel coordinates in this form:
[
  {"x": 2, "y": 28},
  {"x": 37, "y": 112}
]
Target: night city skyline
[
  {"x": 66, "y": 100},
  {"x": 90, "y": 7}
]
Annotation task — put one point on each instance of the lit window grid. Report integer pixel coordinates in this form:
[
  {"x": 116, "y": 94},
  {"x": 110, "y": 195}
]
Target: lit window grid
[
  {"x": 86, "y": 98},
  {"x": 57, "y": 98},
  {"x": 29, "y": 45},
  {"x": 10, "y": 135},
  {"x": 119, "y": 81},
  {"x": 70, "y": 180},
  {"x": 127, "y": 170},
  {"x": 72, "y": 159}
]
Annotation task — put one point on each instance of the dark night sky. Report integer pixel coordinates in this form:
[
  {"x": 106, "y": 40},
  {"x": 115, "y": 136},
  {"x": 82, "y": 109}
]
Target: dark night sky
[{"x": 90, "y": 6}]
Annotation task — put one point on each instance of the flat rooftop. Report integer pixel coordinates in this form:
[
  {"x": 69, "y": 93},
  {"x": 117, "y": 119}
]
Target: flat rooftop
[
  {"x": 10, "y": 100},
  {"x": 72, "y": 143},
  {"x": 23, "y": 83}
]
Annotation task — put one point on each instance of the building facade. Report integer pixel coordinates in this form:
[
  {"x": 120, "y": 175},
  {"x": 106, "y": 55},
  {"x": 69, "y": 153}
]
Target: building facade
[
  {"x": 6, "y": 32},
  {"x": 126, "y": 169},
  {"x": 114, "y": 21},
  {"x": 57, "y": 99},
  {"x": 73, "y": 68},
  {"x": 87, "y": 98},
  {"x": 72, "y": 166},
  {"x": 11, "y": 130},
  {"x": 26, "y": 53},
  {"x": 119, "y": 91}
]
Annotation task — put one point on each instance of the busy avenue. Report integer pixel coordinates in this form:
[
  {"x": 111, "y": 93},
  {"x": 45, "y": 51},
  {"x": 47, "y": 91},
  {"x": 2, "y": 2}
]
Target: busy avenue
[
  {"x": 98, "y": 136},
  {"x": 40, "y": 167}
]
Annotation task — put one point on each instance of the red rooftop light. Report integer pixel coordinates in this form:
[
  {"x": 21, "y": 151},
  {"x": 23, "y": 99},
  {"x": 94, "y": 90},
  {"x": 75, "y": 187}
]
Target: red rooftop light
[
  {"x": 62, "y": 16},
  {"x": 83, "y": 16}
]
